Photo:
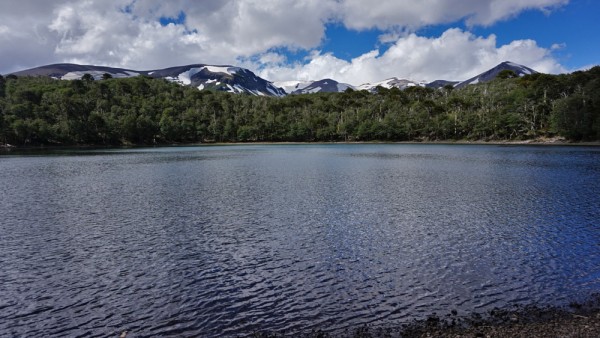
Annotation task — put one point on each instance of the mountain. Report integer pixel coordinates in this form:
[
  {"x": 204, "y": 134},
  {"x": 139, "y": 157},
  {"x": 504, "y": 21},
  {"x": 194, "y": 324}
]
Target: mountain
[
  {"x": 437, "y": 84},
  {"x": 329, "y": 85},
  {"x": 240, "y": 80},
  {"x": 389, "y": 83},
  {"x": 491, "y": 74},
  {"x": 223, "y": 78},
  {"x": 309, "y": 87},
  {"x": 292, "y": 86},
  {"x": 69, "y": 71}
]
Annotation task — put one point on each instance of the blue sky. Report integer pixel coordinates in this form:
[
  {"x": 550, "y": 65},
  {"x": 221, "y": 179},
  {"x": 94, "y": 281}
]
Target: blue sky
[
  {"x": 351, "y": 41},
  {"x": 574, "y": 28}
]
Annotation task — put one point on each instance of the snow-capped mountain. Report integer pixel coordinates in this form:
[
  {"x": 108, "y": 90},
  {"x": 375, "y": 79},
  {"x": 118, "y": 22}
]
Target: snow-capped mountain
[
  {"x": 240, "y": 80},
  {"x": 70, "y": 71},
  {"x": 223, "y": 78},
  {"x": 329, "y": 85},
  {"x": 292, "y": 86},
  {"x": 310, "y": 87},
  {"x": 388, "y": 84},
  {"x": 491, "y": 74}
]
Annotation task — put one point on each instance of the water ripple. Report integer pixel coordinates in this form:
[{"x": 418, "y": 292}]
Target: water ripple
[{"x": 225, "y": 241}]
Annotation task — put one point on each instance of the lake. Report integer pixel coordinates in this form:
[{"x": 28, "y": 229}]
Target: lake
[{"x": 228, "y": 240}]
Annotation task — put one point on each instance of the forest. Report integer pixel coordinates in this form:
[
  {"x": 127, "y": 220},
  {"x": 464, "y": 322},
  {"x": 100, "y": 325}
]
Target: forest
[{"x": 144, "y": 111}]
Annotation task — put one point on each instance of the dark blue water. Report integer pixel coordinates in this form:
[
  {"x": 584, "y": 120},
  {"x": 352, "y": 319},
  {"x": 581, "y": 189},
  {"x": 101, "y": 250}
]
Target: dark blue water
[{"x": 230, "y": 240}]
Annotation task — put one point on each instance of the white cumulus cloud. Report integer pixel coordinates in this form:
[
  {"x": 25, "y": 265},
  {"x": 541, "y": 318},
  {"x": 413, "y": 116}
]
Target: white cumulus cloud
[
  {"x": 357, "y": 14},
  {"x": 455, "y": 55},
  {"x": 127, "y": 33}
]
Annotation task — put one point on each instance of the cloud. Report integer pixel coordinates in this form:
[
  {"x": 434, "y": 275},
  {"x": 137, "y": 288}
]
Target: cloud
[
  {"x": 384, "y": 14},
  {"x": 128, "y": 33},
  {"x": 455, "y": 55}
]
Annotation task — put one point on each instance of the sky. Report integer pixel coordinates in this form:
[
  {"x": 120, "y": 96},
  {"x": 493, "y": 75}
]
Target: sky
[{"x": 351, "y": 41}]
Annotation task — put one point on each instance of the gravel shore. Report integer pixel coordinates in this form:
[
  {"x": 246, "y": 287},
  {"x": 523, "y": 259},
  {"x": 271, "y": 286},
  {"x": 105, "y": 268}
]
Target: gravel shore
[
  {"x": 578, "y": 320},
  {"x": 559, "y": 325}
]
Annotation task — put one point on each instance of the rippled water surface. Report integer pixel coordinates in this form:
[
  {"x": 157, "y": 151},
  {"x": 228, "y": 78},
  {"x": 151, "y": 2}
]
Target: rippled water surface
[{"x": 229, "y": 240}]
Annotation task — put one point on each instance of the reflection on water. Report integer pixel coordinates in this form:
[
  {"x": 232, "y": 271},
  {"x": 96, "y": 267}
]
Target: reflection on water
[{"x": 229, "y": 240}]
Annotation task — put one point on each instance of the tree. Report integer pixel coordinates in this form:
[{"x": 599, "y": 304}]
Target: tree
[
  {"x": 87, "y": 78},
  {"x": 507, "y": 74},
  {"x": 448, "y": 87},
  {"x": 146, "y": 110},
  {"x": 2, "y": 86},
  {"x": 106, "y": 76}
]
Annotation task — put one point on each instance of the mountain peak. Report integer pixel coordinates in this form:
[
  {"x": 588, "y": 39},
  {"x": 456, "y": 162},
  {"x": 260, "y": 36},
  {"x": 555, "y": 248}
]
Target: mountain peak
[{"x": 491, "y": 74}]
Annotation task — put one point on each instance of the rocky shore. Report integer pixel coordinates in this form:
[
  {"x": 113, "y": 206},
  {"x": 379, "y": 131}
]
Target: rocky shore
[{"x": 578, "y": 320}]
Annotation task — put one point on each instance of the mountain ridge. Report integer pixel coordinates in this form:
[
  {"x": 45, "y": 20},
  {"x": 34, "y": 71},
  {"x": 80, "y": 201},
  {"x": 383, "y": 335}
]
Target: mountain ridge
[
  {"x": 237, "y": 80},
  {"x": 202, "y": 76}
]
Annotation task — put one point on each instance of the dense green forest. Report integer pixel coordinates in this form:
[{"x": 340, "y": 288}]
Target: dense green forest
[{"x": 143, "y": 110}]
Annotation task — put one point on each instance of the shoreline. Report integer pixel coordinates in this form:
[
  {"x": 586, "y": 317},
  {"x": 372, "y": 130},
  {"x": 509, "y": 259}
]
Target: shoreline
[
  {"x": 532, "y": 142},
  {"x": 574, "y": 320},
  {"x": 579, "y": 320}
]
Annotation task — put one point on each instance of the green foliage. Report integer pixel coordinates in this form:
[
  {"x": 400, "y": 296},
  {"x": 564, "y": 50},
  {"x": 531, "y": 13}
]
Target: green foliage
[
  {"x": 143, "y": 110},
  {"x": 507, "y": 74},
  {"x": 87, "y": 78},
  {"x": 2, "y": 86}
]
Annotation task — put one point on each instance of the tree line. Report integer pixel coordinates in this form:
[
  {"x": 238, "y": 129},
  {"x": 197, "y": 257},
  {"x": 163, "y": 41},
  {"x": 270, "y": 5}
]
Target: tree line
[{"x": 144, "y": 110}]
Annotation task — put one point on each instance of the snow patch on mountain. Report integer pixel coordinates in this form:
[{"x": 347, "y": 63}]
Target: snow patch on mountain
[
  {"x": 523, "y": 69},
  {"x": 388, "y": 84},
  {"x": 185, "y": 78},
  {"x": 273, "y": 91},
  {"x": 321, "y": 86},
  {"x": 343, "y": 86},
  {"x": 97, "y": 75},
  {"x": 292, "y": 86},
  {"x": 222, "y": 69}
]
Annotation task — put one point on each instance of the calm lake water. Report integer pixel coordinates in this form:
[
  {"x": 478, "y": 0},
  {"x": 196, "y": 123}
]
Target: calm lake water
[{"x": 226, "y": 240}]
